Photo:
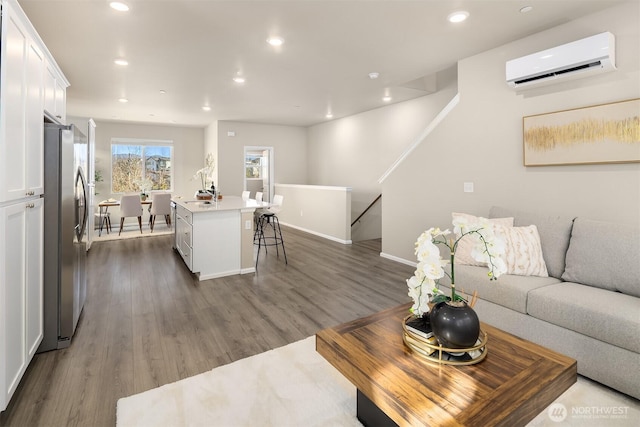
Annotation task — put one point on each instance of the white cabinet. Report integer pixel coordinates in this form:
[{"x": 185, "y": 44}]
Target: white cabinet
[
  {"x": 24, "y": 66},
  {"x": 184, "y": 231},
  {"x": 21, "y": 293},
  {"x": 209, "y": 238},
  {"x": 21, "y": 120},
  {"x": 55, "y": 99}
]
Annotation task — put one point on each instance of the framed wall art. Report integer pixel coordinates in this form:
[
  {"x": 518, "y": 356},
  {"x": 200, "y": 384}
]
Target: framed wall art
[{"x": 607, "y": 133}]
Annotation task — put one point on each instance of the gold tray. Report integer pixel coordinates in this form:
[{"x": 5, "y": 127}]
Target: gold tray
[{"x": 434, "y": 352}]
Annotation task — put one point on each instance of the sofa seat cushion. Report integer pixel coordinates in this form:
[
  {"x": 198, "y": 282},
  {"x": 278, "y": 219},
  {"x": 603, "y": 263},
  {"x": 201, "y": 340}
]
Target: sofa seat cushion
[
  {"x": 611, "y": 317},
  {"x": 605, "y": 255},
  {"x": 509, "y": 291},
  {"x": 554, "y": 231}
]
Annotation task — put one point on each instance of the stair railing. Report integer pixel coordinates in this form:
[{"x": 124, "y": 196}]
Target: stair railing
[{"x": 365, "y": 211}]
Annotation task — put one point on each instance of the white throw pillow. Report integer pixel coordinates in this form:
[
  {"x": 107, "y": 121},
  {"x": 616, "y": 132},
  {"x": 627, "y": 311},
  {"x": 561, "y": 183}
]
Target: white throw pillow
[
  {"x": 466, "y": 244},
  {"x": 523, "y": 253}
]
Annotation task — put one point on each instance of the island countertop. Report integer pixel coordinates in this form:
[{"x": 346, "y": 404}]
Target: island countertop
[{"x": 227, "y": 203}]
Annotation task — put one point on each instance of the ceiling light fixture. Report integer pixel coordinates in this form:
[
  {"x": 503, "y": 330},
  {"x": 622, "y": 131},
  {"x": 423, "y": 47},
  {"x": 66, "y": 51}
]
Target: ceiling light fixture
[
  {"x": 123, "y": 100},
  {"x": 239, "y": 79},
  {"x": 329, "y": 116},
  {"x": 386, "y": 98},
  {"x": 122, "y": 62},
  {"x": 526, "y": 9},
  {"x": 206, "y": 108},
  {"x": 374, "y": 75},
  {"x": 120, "y": 7},
  {"x": 162, "y": 91},
  {"x": 457, "y": 17},
  {"x": 275, "y": 41}
]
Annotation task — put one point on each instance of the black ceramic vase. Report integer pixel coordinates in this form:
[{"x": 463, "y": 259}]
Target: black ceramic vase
[{"x": 455, "y": 325}]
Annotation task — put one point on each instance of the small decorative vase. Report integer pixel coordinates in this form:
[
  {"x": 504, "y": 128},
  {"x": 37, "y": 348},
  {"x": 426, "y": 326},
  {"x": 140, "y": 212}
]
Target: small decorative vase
[
  {"x": 455, "y": 324},
  {"x": 143, "y": 197}
]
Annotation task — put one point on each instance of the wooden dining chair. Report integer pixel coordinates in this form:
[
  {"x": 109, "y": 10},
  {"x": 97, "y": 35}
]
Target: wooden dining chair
[{"x": 130, "y": 205}]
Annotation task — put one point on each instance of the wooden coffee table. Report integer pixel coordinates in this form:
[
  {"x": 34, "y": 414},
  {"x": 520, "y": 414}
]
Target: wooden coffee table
[{"x": 513, "y": 384}]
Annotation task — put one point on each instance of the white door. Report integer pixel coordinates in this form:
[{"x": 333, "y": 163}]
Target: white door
[
  {"x": 13, "y": 222},
  {"x": 34, "y": 275}
]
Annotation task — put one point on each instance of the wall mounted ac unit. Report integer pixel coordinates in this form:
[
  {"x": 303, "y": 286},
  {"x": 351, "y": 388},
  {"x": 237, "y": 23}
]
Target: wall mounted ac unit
[{"x": 581, "y": 58}]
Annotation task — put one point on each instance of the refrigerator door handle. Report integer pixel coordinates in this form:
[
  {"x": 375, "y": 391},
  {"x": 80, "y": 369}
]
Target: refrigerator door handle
[{"x": 81, "y": 225}]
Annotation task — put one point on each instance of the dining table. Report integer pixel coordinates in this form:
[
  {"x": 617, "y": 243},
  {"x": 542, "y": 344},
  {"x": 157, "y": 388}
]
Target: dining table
[{"x": 104, "y": 209}]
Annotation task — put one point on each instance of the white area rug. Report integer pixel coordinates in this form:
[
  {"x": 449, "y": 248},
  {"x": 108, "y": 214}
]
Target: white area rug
[
  {"x": 288, "y": 386},
  {"x": 295, "y": 386},
  {"x": 133, "y": 232}
]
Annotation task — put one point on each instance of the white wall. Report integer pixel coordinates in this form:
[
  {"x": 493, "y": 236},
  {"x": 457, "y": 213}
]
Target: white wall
[
  {"x": 211, "y": 146},
  {"x": 481, "y": 142},
  {"x": 356, "y": 151},
  {"x": 188, "y": 148},
  {"x": 320, "y": 210},
  {"x": 290, "y": 153}
]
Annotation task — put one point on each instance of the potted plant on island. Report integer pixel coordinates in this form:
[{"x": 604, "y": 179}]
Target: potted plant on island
[
  {"x": 204, "y": 176},
  {"x": 452, "y": 320}
]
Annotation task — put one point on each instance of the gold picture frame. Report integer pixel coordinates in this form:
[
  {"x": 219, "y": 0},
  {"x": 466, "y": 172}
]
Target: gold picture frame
[{"x": 605, "y": 133}]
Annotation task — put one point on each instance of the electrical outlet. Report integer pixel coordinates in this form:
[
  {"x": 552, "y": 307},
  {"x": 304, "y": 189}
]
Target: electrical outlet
[{"x": 247, "y": 224}]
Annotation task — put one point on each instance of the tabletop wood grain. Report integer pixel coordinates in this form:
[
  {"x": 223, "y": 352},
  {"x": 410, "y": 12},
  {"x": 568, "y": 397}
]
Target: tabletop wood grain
[{"x": 513, "y": 384}]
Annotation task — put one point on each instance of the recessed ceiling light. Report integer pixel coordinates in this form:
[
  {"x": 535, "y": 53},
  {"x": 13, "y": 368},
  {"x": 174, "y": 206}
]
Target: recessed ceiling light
[
  {"x": 526, "y": 9},
  {"x": 162, "y": 92},
  {"x": 120, "y": 7},
  {"x": 122, "y": 62},
  {"x": 239, "y": 79},
  {"x": 275, "y": 41},
  {"x": 459, "y": 16},
  {"x": 386, "y": 98},
  {"x": 123, "y": 100},
  {"x": 374, "y": 75},
  {"x": 206, "y": 108}
]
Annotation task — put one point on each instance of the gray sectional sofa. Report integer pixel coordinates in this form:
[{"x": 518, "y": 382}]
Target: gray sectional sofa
[{"x": 589, "y": 306}]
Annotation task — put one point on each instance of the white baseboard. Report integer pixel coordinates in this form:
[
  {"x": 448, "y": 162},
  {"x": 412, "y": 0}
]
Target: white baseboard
[
  {"x": 315, "y": 233},
  {"x": 400, "y": 260},
  {"x": 217, "y": 275}
]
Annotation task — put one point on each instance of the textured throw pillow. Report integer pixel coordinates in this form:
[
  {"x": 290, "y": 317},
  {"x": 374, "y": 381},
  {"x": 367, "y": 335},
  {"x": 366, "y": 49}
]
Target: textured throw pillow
[
  {"x": 523, "y": 253},
  {"x": 465, "y": 245}
]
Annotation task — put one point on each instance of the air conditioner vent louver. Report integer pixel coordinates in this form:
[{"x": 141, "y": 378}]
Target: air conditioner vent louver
[{"x": 581, "y": 58}]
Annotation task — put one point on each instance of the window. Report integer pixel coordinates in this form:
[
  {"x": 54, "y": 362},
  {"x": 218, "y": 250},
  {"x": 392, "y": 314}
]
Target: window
[
  {"x": 253, "y": 165},
  {"x": 141, "y": 165}
]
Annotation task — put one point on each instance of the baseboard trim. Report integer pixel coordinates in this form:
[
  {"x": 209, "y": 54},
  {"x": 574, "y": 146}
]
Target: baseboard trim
[{"x": 398, "y": 259}]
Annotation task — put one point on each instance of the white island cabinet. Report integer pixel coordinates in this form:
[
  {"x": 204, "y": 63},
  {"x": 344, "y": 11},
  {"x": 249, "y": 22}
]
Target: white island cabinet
[{"x": 215, "y": 238}]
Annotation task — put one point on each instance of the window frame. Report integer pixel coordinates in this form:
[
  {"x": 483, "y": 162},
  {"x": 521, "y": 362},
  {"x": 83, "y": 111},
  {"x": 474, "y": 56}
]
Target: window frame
[{"x": 142, "y": 143}]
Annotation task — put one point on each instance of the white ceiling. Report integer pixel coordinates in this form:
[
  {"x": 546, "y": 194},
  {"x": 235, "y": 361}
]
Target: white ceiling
[{"x": 193, "y": 49}]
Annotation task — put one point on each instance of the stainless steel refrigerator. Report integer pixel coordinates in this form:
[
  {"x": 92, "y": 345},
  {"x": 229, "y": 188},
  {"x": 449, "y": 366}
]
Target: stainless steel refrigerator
[{"x": 65, "y": 218}]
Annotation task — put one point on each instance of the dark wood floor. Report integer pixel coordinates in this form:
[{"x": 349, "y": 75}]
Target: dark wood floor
[{"x": 148, "y": 322}]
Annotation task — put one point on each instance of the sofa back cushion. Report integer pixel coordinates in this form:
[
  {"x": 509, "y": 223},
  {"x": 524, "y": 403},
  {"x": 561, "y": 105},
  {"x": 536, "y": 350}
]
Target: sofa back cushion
[
  {"x": 605, "y": 255},
  {"x": 554, "y": 231}
]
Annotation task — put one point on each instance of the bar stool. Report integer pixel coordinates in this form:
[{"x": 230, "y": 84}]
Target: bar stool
[{"x": 269, "y": 218}]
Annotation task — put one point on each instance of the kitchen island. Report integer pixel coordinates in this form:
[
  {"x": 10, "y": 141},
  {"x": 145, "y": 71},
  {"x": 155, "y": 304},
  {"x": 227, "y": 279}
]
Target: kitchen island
[{"x": 215, "y": 238}]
